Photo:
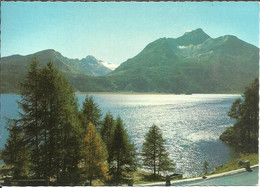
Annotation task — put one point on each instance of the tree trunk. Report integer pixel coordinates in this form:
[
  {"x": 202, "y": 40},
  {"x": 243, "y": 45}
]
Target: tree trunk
[
  {"x": 90, "y": 181},
  {"x": 118, "y": 168},
  {"x": 154, "y": 168},
  {"x": 37, "y": 136},
  {"x": 154, "y": 164},
  {"x": 37, "y": 151},
  {"x": 154, "y": 159},
  {"x": 118, "y": 161}
]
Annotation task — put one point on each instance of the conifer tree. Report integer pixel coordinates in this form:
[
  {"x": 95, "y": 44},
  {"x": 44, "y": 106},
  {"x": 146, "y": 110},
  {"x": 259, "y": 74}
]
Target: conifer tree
[
  {"x": 95, "y": 156},
  {"x": 106, "y": 133},
  {"x": 123, "y": 151},
  {"x": 49, "y": 125},
  {"x": 16, "y": 152},
  {"x": 155, "y": 156},
  {"x": 245, "y": 110},
  {"x": 91, "y": 112},
  {"x": 60, "y": 126},
  {"x": 30, "y": 93}
]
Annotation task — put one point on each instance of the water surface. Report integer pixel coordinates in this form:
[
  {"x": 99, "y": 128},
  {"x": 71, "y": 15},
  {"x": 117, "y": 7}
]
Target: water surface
[{"x": 191, "y": 124}]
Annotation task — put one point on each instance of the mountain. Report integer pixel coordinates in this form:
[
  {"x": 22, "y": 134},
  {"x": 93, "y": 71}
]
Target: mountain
[
  {"x": 14, "y": 67},
  {"x": 93, "y": 66},
  {"x": 192, "y": 63}
]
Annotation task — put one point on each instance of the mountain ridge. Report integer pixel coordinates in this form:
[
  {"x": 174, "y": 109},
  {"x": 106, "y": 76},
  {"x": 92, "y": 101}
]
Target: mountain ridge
[
  {"x": 13, "y": 67},
  {"x": 191, "y": 63},
  {"x": 193, "y": 66},
  {"x": 44, "y": 56}
]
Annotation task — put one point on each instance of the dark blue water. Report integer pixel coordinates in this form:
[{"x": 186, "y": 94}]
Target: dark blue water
[{"x": 191, "y": 124}]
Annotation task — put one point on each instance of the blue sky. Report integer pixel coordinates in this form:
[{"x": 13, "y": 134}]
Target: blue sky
[{"x": 115, "y": 32}]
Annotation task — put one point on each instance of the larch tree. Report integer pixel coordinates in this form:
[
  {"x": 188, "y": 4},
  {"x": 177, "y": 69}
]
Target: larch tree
[
  {"x": 123, "y": 152},
  {"x": 95, "y": 156},
  {"x": 155, "y": 156}
]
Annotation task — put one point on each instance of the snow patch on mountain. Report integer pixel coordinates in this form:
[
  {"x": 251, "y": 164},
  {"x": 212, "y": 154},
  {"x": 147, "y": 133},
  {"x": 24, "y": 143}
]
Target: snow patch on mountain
[
  {"x": 182, "y": 47},
  {"x": 111, "y": 66}
]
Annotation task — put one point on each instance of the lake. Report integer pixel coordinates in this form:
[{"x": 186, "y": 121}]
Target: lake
[{"x": 191, "y": 124}]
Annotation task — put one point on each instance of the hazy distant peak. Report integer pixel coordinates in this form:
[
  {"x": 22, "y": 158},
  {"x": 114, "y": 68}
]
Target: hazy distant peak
[
  {"x": 90, "y": 60},
  {"x": 90, "y": 57}
]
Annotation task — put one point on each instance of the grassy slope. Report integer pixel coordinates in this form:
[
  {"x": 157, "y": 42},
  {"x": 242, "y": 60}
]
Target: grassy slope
[
  {"x": 233, "y": 164},
  {"x": 142, "y": 177}
]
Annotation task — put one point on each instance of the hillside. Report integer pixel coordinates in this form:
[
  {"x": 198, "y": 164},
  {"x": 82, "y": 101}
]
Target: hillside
[
  {"x": 14, "y": 67},
  {"x": 192, "y": 63}
]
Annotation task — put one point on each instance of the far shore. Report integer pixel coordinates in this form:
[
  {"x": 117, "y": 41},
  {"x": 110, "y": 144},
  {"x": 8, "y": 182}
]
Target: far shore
[
  {"x": 135, "y": 93},
  {"x": 149, "y": 93},
  {"x": 124, "y": 93}
]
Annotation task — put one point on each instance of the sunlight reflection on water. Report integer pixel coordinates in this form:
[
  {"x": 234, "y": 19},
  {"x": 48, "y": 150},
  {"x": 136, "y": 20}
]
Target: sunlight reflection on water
[{"x": 191, "y": 124}]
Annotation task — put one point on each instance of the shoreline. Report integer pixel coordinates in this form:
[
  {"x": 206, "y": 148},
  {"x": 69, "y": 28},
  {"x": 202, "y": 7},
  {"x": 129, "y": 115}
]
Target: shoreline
[
  {"x": 139, "y": 93},
  {"x": 173, "y": 182},
  {"x": 123, "y": 93},
  {"x": 150, "y": 93}
]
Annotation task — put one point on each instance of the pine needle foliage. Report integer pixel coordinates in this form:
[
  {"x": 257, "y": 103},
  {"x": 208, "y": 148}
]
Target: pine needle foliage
[
  {"x": 48, "y": 125},
  {"x": 16, "y": 153},
  {"x": 244, "y": 134},
  {"x": 90, "y": 112},
  {"x": 123, "y": 153},
  {"x": 95, "y": 156},
  {"x": 106, "y": 132},
  {"x": 155, "y": 156}
]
